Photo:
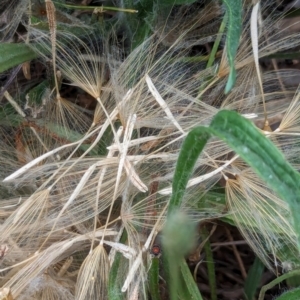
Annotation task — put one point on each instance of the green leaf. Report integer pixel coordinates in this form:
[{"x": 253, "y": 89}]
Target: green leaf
[
  {"x": 215, "y": 47},
  {"x": 234, "y": 29},
  {"x": 293, "y": 282},
  {"x": 210, "y": 264},
  {"x": 253, "y": 279},
  {"x": 114, "y": 280},
  {"x": 34, "y": 98},
  {"x": 290, "y": 295},
  {"x": 12, "y": 55},
  {"x": 8, "y": 116},
  {"x": 276, "y": 281},
  {"x": 189, "y": 153},
  {"x": 153, "y": 275},
  {"x": 253, "y": 147},
  {"x": 138, "y": 26},
  {"x": 190, "y": 289}
]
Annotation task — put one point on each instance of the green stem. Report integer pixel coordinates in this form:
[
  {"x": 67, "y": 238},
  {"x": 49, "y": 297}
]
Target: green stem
[
  {"x": 210, "y": 264},
  {"x": 102, "y": 8},
  {"x": 214, "y": 50},
  {"x": 154, "y": 278}
]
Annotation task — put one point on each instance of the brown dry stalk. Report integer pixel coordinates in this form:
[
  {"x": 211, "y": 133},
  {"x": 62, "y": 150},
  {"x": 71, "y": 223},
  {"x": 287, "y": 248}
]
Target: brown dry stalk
[
  {"x": 50, "y": 9},
  {"x": 237, "y": 254}
]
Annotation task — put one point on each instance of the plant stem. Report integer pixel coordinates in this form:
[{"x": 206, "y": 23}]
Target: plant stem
[{"x": 210, "y": 264}]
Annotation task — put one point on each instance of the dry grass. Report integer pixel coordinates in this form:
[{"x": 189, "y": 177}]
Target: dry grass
[{"x": 70, "y": 206}]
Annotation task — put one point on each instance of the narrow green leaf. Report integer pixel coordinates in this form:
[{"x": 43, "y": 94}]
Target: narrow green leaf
[
  {"x": 153, "y": 276},
  {"x": 215, "y": 47},
  {"x": 114, "y": 281},
  {"x": 210, "y": 264},
  {"x": 253, "y": 279},
  {"x": 12, "y": 55},
  {"x": 189, "y": 153},
  {"x": 234, "y": 29},
  {"x": 190, "y": 289}
]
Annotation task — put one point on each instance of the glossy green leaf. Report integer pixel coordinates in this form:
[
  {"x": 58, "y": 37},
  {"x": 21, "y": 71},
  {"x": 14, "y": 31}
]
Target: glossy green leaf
[
  {"x": 234, "y": 29},
  {"x": 12, "y": 55}
]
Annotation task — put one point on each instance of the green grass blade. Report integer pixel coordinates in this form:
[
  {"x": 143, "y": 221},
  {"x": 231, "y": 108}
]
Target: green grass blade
[
  {"x": 210, "y": 264},
  {"x": 189, "y": 289},
  {"x": 215, "y": 47},
  {"x": 253, "y": 279},
  {"x": 189, "y": 153},
  {"x": 234, "y": 29},
  {"x": 153, "y": 276},
  {"x": 12, "y": 55},
  {"x": 114, "y": 282}
]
